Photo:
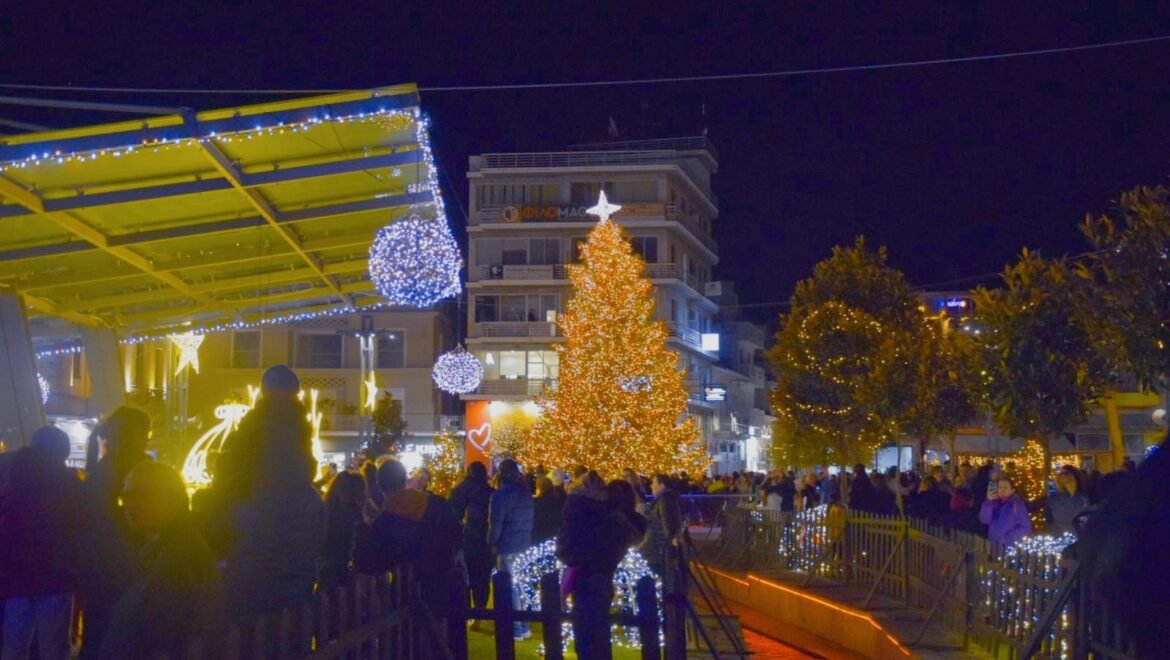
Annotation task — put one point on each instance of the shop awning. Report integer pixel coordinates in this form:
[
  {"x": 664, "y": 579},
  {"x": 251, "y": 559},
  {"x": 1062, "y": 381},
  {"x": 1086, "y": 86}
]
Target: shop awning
[{"x": 206, "y": 218}]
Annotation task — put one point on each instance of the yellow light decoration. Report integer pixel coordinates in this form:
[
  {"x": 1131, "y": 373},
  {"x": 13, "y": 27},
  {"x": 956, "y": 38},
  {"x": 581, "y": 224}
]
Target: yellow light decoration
[
  {"x": 315, "y": 423},
  {"x": 371, "y": 386},
  {"x": 611, "y": 337},
  {"x": 188, "y": 344},
  {"x": 195, "y": 466}
]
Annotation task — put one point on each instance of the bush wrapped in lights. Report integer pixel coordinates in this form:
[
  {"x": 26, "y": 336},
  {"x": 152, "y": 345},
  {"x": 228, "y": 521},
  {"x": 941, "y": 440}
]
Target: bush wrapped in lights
[
  {"x": 1017, "y": 603},
  {"x": 541, "y": 559}
]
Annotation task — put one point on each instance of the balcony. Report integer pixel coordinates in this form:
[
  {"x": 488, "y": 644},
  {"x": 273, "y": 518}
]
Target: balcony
[
  {"x": 691, "y": 338},
  {"x": 515, "y": 387},
  {"x": 695, "y": 143},
  {"x": 513, "y": 272},
  {"x": 516, "y": 329}
]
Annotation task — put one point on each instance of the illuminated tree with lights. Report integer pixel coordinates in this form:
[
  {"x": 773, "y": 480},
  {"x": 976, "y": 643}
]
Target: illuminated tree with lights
[
  {"x": 446, "y": 465},
  {"x": 389, "y": 427},
  {"x": 510, "y": 431},
  {"x": 621, "y": 397},
  {"x": 946, "y": 384},
  {"x": 844, "y": 360},
  {"x": 1043, "y": 370},
  {"x": 1130, "y": 270}
]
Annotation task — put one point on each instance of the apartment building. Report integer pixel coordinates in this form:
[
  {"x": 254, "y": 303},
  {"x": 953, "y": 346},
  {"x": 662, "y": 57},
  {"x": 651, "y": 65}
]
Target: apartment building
[{"x": 527, "y": 220}]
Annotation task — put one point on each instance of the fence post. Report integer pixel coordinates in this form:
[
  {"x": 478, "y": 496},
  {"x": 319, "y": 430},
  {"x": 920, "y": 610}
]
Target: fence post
[
  {"x": 502, "y": 598},
  {"x": 674, "y": 604},
  {"x": 551, "y": 616},
  {"x": 647, "y": 601},
  {"x": 904, "y": 561},
  {"x": 457, "y": 620}
]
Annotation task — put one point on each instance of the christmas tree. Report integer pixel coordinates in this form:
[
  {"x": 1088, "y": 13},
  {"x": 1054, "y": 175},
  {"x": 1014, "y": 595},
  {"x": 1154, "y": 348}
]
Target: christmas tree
[
  {"x": 621, "y": 396},
  {"x": 446, "y": 465}
]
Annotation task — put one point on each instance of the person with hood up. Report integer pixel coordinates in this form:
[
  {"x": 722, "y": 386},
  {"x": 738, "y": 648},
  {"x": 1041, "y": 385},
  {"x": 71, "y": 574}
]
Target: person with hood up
[
  {"x": 1005, "y": 514},
  {"x": 510, "y": 527},
  {"x": 270, "y": 525},
  {"x": 665, "y": 525},
  {"x": 175, "y": 596},
  {"x": 470, "y": 500},
  {"x": 108, "y": 560},
  {"x": 39, "y": 547},
  {"x": 418, "y": 529}
]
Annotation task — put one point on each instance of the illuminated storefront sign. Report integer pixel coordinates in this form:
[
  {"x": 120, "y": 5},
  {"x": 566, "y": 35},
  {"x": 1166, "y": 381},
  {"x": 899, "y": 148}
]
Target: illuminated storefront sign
[{"x": 714, "y": 393}]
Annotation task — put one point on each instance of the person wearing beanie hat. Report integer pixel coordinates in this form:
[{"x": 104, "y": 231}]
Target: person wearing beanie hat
[
  {"x": 51, "y": 440},
  {"x": 280, "y": 381},
  {"x": 510, "y": 518}
]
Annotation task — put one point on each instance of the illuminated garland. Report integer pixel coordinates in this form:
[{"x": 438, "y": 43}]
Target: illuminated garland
[
  {"x": 541, "y": 559},
  {"x": 45, "y": 389},
  {"x": 415, "y": 261},
  {"x": 803, "y": 541},
  {"x": 1009, "y": 597},
  {"x": 457, "y": 372}
]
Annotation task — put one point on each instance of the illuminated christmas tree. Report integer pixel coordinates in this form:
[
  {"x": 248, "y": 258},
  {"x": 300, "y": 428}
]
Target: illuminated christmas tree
[
  {"x": 446, "y": 465},
  {"x": 621, "y": 398}
]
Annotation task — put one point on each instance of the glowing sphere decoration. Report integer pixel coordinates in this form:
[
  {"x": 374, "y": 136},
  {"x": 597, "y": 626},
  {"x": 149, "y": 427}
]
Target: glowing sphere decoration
[
  {"x": 415, "y": 261},
  {"x": 457, "y": 372}
]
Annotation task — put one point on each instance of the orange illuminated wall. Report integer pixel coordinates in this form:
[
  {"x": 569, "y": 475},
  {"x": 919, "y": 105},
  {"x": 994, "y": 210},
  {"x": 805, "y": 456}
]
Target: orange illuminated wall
[{"x": 478, "y": 441}]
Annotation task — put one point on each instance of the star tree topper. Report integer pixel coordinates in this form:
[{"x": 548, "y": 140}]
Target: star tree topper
[{"x": 603, "y": 209}]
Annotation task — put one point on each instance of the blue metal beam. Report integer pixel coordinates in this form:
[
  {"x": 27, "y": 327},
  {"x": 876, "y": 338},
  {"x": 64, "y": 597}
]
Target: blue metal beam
[
  {"x": 190, "y": 128},
  {"x": 46, "y": 250},
  {"x": 275, "y": 176},
  {"x": 355, "y": 207}
]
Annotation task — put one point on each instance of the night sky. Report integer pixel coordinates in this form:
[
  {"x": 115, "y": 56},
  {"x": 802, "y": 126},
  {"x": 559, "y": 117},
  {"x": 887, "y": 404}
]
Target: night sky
[{"x": 954, "y": 167}]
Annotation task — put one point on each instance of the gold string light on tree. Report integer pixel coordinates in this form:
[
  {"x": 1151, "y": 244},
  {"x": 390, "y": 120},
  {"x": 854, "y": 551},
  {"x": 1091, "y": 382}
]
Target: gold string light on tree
[{"x": 620, "y": 394}]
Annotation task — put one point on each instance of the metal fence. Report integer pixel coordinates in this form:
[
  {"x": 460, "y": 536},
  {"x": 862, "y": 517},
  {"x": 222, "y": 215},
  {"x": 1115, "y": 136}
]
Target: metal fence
[{"x": 1021, "y": 601}]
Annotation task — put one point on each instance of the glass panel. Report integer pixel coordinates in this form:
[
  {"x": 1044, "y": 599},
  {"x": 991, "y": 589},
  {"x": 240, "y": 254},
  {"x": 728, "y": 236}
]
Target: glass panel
[
  {"x": 512, "y": 364},
  {"x": 487, "y": 252},
  {"x": 319, "y": 351},
  {"x": 487, "y": 309},
  {"x": 392, "y": 350},
  {"x": 246, "y": 349},
  {"x": 491, "y": 364},
  {"x": 512, "y": 308},
  {"x": 514, "y": 251}
]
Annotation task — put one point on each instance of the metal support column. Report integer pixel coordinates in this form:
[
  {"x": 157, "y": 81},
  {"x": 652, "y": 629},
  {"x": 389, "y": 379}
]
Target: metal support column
[
  {"x": 21, "y": 410},
  {"x": 103, "y": 357},
  {"x": 367, "y": 346}
]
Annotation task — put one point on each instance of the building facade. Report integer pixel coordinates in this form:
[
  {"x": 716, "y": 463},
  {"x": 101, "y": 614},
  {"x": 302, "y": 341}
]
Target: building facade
[{"x": 527, "y": 220}]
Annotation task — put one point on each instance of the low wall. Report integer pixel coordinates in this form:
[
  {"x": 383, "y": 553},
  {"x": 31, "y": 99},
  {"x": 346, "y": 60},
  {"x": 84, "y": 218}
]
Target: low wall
[{"x": 838, "y": 624}]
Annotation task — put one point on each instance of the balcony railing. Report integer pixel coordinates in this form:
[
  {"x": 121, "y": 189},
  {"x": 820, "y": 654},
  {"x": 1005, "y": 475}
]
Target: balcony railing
[
  {"x": 686, "y": 335},
  {"x": 577, "y": 159},
  {"x": 516, "y": 329},
  {"x": 451, "y": 422},
  {"x": 515, "y": 386},
  {"x": 694, "y": 143},
  {"x": 523, "y": 272}
]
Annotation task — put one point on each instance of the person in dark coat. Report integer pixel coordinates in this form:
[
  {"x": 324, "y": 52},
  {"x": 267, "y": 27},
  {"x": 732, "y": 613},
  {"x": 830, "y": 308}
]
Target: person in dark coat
[
  {"x": 593, "y": 538},
  {"x": 108, "y": 559},
  {"x": 39, "y": 547},
  {"x": 929, "y": 501},
  {"x": 270, "y": 525},
  {"x": 665, "y": 525},
  {"x": 470, "y": 500},
  {"x": 962, "y": 516},
  {"x": 175, "y": 596},
  {"x": 547, "y": 509},
  {"x": 861, "y": 492},
  {"x": 418, "y": 529},
  {"x": 510, "y": 527},
  {"x": 345, "y": 531}
]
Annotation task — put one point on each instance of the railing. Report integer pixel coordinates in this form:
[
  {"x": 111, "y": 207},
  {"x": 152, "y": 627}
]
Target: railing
[
  {"x": 1013, "y": 602},
  {"x": 516, "y": 329},
  {"x": 692, "y": 143},
  {"x": 451, "y": 422},
  {"x": 515, "y": 387},
  {"x": 523, "y": 272},
  {"x": 686, "y": 335},
  {"x": 674, "y": 214}
]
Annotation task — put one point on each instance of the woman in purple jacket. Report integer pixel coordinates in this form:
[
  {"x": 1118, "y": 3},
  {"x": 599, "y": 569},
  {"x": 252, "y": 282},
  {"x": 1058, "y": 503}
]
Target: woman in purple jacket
[{"x": 1005, "y": 514}]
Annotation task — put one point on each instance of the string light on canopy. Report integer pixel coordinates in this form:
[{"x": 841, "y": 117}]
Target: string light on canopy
[
  {"x": 188, "y": 344},
  {"x": 457, "y": 372},
  {"x": 415, "y": 261}
]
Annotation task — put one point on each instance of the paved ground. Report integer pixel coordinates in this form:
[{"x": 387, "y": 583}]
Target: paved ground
[{"x": 766, "y": 648}]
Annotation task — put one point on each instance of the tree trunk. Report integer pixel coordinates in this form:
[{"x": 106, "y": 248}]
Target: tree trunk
[{"x": 954, "y": 457}]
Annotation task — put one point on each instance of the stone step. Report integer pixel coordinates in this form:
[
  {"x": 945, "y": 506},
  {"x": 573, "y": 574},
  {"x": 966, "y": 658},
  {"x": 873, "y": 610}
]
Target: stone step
[{"x": 697, "y": 648}]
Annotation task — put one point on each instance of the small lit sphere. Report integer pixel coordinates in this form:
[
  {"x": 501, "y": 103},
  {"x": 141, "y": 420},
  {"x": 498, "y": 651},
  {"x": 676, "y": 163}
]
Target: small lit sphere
[
  {"x": 45, "y": 389},
  {"x": 457, "y": 372},
  {"x": 415, "y": 261}
]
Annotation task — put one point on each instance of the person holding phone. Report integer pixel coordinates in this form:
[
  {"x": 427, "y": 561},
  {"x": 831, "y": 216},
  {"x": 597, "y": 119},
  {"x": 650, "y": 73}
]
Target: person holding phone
[{"x": 1004, "y": 513}]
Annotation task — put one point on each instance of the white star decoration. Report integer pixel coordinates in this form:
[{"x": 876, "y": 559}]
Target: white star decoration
[
  {"x": 188, "y": 344},
  {"x": 603, "y": 209}
]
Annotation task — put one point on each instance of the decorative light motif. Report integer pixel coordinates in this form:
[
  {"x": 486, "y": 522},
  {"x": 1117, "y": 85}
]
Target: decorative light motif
[
  {"x": 314, "y": 418},
  {"x": 457, "y": 372},
  {"x": 188, "y": 344},
  {"x": 1014, "y": 586},
  {"x": 603, "y": 209},
  {"x": 635, "y": 384},
  {"x": 370, "y": 385},
  {"x": 45, "y": 389},
  {"x": 195, "y": 465},
  {"x": 541, "y": 559},
  {"x": 415, "y": 261}
]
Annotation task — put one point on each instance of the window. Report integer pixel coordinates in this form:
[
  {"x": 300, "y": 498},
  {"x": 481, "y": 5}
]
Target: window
[
  {"x": 544, "y": 251},
  {"x": 513, "y": 308},
  {"x": 587, "y": 192},
  {"x": 487, "y": 309},
  {"x": 673, "y": 310},
  {"x": 575, "y": 249},
  {"x": 517, "y": 308},
  {"x": 543, "y": 364},
  {"x": 319, "y": 351},
  {"x": 512, "y": 364},
  {"x": 487, "y": 252},
  {"x": 646, "y": 247},
  {"x": 392, "y": 350},
  {"x": 514, "y": 252},
  {"x": 644, "y": 190},
  {"x": 246, "y": 349}
]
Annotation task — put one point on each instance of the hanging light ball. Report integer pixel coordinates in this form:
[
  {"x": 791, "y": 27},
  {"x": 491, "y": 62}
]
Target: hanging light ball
[
  {"x": 457, "y": 372},
  {"x": 415, "y": 261}
]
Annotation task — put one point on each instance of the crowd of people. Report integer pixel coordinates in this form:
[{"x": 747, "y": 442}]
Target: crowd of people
[{"x": 119, "y": 561}]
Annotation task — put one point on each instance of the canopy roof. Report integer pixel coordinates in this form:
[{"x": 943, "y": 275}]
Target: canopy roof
[{"x": 216, "y": 217}]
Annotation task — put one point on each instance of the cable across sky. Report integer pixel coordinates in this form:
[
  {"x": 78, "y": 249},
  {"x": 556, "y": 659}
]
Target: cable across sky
[{"x": 611, "y": 83}]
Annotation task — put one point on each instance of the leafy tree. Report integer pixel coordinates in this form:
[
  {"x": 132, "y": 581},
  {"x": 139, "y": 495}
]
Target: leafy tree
[
  {"x": 845, "y": 359},
  {"x": 1129, "y": 310},
  {"x": 1042, "y": 368},
  {"x": 945, "y": 384},
  {"x": 389, "y": 427},
  {"x": 621, "y": 399}
]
